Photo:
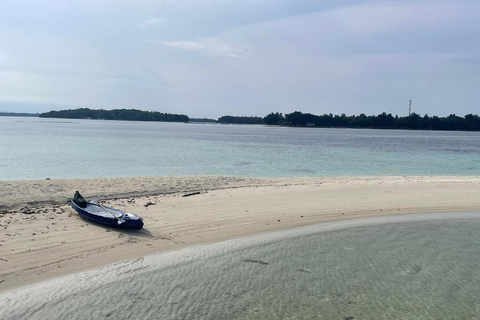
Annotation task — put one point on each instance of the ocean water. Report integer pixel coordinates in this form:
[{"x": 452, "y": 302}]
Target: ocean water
[
  {"x": 400, "y": 267},
  {"x": 34, "y": 148}
]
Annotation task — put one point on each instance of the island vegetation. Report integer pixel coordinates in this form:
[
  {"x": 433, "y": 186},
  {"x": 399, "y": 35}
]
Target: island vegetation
[
  {"x": 116, "y": 114},
  {"x": 383, "y": 121},
  {"x": 17, "y": 114},
  {"x": 241, "y": 120},
  {"x": 469, "y": 122},
  {"x": 203, "y": 120}
]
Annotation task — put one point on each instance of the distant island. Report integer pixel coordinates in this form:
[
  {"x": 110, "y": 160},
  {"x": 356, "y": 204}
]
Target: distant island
[
  {"x": 203, "y": 120},
  {"x": 241, "y": 120},
  {"x": 383, "y": 121},
  {"x": 116, "y": 114},
  {"x": 17, "y": 114},
  {"x": 469, "y": 122}
]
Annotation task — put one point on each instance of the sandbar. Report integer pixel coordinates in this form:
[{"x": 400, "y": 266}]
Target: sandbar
[{"x": 43, "y": 237}]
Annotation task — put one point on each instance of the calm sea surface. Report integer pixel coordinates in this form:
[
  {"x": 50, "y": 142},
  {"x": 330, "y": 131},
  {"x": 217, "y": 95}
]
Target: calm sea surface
[
  {"x": 412, "y": 267},
  {"x": 34, "y": 148}
]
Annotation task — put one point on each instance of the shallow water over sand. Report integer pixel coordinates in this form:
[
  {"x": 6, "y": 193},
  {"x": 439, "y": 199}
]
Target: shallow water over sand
[
  {"x": 34, "y": 148},
  {"x": 398, "y": 267}
]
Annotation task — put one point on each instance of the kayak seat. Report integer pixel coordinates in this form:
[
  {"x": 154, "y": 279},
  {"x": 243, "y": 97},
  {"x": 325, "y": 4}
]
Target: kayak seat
[{"x": 79, "y": 200}]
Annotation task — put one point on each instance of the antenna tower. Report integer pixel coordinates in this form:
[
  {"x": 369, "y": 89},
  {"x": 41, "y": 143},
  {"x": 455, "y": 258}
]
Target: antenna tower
[{"x": 410, "y": 108}]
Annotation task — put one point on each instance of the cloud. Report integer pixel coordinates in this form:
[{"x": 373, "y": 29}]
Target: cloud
[
  {"x": 341, "y": 60},
  {"x": 151, "y": 23},
  {"x": 359, "y": 56},
  {"x": 211, "y": 47}
]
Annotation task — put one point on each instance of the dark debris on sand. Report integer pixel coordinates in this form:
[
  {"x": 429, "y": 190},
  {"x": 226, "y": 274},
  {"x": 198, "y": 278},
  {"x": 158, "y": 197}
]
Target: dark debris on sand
[{"x": 256, "y": 261}]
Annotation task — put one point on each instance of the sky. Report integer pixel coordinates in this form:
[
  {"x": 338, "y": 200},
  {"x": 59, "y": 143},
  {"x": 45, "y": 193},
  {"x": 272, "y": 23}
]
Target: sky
[{"x": 209, "y": 58}]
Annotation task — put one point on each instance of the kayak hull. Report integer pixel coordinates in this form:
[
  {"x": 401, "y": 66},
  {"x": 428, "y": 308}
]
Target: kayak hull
[{"x": 108, "y": 216}]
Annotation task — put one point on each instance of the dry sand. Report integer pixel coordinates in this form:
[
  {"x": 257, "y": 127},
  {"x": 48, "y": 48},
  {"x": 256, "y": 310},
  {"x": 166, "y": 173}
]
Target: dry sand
[{"x": 42, "y": 237}]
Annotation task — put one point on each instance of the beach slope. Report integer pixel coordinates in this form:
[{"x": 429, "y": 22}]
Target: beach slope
[{"x": 42, "y": 237}]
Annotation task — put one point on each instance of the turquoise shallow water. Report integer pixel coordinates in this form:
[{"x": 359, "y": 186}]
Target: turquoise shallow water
[
  {"x": 401, "y": 267},
  {"x": 34, "y": 148}
]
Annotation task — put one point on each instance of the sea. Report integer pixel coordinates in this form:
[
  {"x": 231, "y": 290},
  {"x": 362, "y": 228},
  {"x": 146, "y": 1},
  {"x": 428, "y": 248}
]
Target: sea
[
  {"x": 422, "y": 266},
  {"x": 39, "y": 148}
]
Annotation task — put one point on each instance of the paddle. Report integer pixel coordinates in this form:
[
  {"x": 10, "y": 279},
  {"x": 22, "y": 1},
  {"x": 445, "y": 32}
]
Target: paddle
[
  {"x": 106, "y": 209},
  {"x": 95, "y": 203}
]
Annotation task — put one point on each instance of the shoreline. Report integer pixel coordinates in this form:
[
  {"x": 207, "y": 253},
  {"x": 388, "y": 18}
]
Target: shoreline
[{"x": 44, "y": 238}]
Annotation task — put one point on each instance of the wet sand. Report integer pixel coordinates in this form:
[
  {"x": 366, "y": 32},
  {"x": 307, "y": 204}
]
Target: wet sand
[{"x": 42, "y": 237}]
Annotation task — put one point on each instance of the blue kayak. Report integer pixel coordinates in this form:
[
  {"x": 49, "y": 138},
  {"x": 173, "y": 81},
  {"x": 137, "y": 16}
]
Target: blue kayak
[{"x": 105, "y": 215}]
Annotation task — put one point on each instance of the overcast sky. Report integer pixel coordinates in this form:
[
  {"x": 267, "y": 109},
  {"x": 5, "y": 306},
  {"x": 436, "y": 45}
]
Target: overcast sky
[{"x": 208, "y": 58}]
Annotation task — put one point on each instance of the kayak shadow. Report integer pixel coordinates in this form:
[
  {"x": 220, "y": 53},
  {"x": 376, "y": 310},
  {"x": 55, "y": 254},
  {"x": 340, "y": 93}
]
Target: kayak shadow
[{"x": 143, "y": 233}]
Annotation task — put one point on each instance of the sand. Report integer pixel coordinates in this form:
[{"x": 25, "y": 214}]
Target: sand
[{"x": 42, "y": 237}]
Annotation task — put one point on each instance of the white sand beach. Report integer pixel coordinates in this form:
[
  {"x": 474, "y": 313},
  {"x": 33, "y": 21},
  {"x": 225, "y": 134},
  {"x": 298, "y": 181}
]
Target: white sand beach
[{"x": 43, "y": 237}]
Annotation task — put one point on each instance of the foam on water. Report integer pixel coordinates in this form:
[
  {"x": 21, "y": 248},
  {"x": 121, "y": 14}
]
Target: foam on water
[{"x": 399, "y": 267}]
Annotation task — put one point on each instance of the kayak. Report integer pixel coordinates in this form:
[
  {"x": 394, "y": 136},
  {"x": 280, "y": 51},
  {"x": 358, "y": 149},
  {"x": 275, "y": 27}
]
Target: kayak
[{"x": 105, "y": 215}]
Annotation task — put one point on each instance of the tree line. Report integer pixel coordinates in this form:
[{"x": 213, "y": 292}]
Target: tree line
[
  {"x": 469, "y": 122},
  {"x": 383, "y": 121},
  {"x": 17, "y": 114},
  {"x": 116, "y": 114},
  {"x": 241, "y": 120}
]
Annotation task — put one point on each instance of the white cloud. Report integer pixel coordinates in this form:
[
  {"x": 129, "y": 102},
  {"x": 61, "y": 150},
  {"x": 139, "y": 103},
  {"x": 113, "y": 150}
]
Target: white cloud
[
  {"x": 151, "y": 23},
  {"x": 361, "y": 56},
  {"x": 211, "y": 47}
]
